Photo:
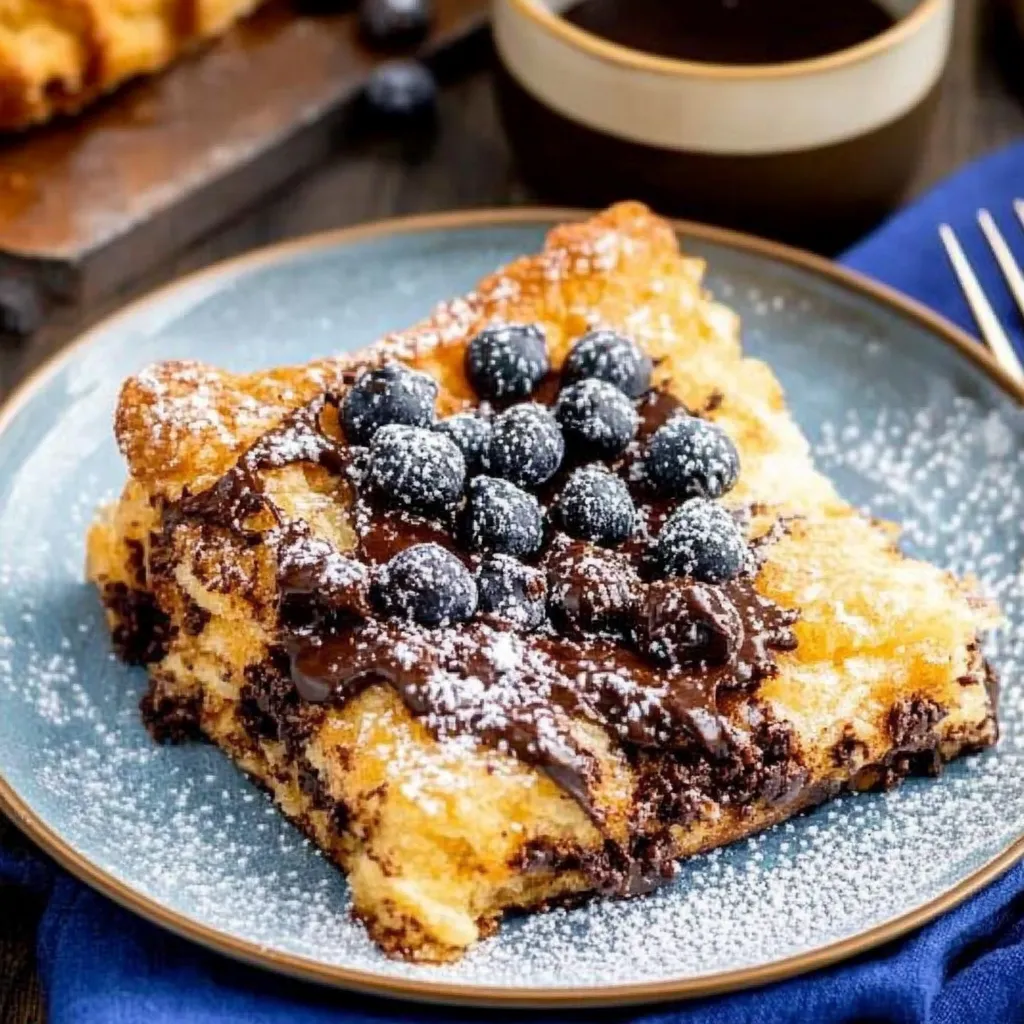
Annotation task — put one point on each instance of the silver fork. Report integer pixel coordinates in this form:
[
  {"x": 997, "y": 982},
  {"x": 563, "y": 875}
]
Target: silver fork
[{"x": 981, "y": 308}]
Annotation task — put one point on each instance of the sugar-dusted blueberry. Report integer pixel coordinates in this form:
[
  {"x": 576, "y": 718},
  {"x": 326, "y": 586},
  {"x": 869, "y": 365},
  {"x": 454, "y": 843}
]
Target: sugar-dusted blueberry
[
  {"x": 594, "y": 505},
  {"x": 591, "y": 589},
  {"x": 426, "y": 584},
  {"x": 611, "y": 357},
  {"x": 471, "y": 431},
  {"x": 402, "y": 93},
  {"x": 387, "y": 394},
  {"x": 415, "y": 468},
  {"x": 701, "y": 540},
  {"x": 502, "y": 518},
  {"x": 512, "y": 591},
  {"x": 597, "y": 419},
  {"x": 690, "y": 457},
  {"x": 526, "y": 445},
  {"x": 507, "y": 361},
  {"x": 394, "y": 24}
]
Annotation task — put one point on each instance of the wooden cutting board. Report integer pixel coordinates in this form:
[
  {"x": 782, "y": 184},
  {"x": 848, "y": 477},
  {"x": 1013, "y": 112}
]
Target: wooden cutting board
[{"x": 90, "y": 202}]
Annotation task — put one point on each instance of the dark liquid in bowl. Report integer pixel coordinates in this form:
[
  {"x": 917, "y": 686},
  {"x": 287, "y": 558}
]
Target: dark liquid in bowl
[{"x": 733, "y": 31}]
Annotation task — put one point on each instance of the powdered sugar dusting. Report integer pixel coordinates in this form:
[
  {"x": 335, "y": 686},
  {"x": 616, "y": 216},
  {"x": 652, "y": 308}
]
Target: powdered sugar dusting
[
  {"x": 179, "y": 823},
  {"x": 188, "y": 402}
]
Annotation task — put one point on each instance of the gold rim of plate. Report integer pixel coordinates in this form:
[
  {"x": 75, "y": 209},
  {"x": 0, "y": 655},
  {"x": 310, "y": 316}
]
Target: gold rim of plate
[{"x": 480, "y": 995}]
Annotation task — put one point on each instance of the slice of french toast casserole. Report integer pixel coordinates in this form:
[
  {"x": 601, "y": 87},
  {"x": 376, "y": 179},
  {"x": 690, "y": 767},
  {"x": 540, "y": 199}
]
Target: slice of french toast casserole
[{"x": 530, "y": 600}]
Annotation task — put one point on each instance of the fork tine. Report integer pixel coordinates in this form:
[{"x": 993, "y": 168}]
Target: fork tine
[
  {"x": 1001, "y": 251},
  {"x": 986, "y": 318},
  {"x": 1018, "y": 205}
]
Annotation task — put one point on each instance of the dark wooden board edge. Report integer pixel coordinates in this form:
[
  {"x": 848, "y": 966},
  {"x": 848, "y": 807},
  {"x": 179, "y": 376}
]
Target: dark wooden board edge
[{"x": 109, "y": 260}]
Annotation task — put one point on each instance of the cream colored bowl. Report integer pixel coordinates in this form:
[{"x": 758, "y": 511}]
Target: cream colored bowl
[{"x": 811, "y": 148}]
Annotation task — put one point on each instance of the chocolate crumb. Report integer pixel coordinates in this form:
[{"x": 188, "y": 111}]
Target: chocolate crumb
[
  {"x": 849, "y": 751},
  {"x": 911, "y": 721},
  {"x": 195, "y": 618},
  {"x": 142, "y": 630},
  {"x": 171, "y": 718}
]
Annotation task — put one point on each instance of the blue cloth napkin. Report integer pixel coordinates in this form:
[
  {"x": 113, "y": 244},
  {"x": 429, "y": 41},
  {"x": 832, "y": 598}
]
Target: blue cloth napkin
[
  {"x": 906, "y": 252},
  {"x": 102, "y": 965}
]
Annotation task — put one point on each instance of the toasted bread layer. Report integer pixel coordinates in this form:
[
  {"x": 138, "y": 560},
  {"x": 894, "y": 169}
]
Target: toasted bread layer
[{"x": 440, "y": 833}]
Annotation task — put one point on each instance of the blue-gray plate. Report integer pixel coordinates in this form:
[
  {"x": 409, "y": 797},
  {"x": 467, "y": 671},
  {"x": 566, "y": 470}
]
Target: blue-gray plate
[{"x": 910, "y": 418}]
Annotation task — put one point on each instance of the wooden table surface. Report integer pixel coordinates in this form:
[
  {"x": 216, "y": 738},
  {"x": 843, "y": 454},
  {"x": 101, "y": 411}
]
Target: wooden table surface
[{"x": 469, "y": 165}]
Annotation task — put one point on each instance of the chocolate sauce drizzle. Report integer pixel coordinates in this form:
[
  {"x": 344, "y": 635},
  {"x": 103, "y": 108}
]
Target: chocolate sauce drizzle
[
  {"x": 238, "y": 496},
  {"x": 650, "y": 661}
]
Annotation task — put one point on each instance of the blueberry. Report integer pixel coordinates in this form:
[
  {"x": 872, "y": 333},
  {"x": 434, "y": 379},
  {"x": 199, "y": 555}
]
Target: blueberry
[
  {"x": 591, "y": 589},
  {"x": 402, "y": 92},
  {"x": 526, "y": 445},
  {"x": 502, "y": 518},
  {"x": 512, "y": 591},
  {"x": 387, "y": 394},
  {"x": 597, "y": 419},
  {"x": 610, "y": 357},
  {"x": 594, "y": 505},
  {"x": 690, "y": 457},
  {"x": 415, "y": 468},
  {"x": 21, "y": 307},
  {"x": 394, "y": 24},
  {"x": 507, "y": 361},
  {"x": 702, "y": 541},
  {"x": 471, "y": 432},
  {"x": 427, "y": 584}
]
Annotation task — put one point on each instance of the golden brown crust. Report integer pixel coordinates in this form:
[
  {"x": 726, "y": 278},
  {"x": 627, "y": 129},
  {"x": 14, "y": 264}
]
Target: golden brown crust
[
  {"x": 56, "y": 56},
  {"x": 180, "y": 423},
  {"x": 440, "y": 838}
]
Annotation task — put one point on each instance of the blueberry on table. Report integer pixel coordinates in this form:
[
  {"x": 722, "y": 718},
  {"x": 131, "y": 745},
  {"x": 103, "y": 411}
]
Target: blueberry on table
[
  {"x": 512, "y": 591},
  {"x": 415, "y": 469},
  {"x": 426, "y": 584},
  {"x": 597, "y": 419},
  {"x": 387, "y": 394},
  {"x": 394, "y": 24},
  {"x": 507, "y": 361},
  {"x": 611, "y": 357},
  {"x": 702, "y": 541},
  {"x": 690, "y": 457},
  {"x": 21, "y": 309},
  {"x": 594, "y": 505},
  {"x": 471, "y": 431},
  {"x": 502, "y": 518},
  {"x": 526, "y": 445},
  {"x": 402, "y": 91}
]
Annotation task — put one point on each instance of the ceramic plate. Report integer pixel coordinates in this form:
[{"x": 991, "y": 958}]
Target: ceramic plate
[{"x": 907, "y": 415}]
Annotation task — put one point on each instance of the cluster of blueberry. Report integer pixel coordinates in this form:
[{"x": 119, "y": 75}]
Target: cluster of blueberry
[{"x": 483, "y": 468}]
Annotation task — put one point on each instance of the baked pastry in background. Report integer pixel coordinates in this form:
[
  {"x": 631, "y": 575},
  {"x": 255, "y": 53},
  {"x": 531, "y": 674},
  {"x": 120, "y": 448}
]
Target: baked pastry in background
[
  {"x": 530, "y": 600},
  {"x": 56, "y": 56}
]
